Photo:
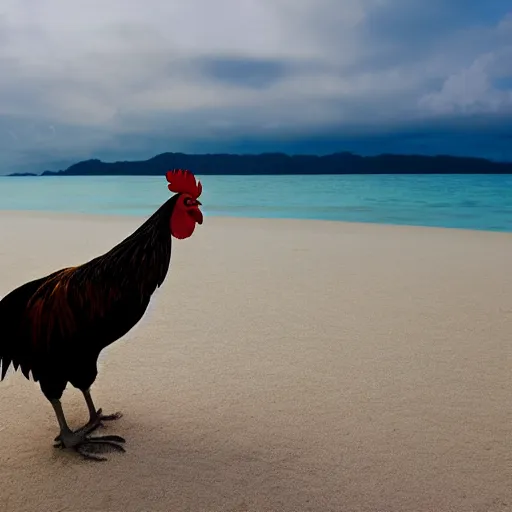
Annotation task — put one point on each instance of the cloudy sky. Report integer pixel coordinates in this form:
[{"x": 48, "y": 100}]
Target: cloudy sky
[{"x": 126, "y": 79}]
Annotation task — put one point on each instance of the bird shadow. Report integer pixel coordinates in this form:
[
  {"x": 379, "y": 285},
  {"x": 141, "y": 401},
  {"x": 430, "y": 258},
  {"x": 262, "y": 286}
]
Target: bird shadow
[{"x": 182, "y": 464}]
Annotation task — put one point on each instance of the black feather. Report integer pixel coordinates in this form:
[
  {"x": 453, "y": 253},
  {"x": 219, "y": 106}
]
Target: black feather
[{"x": 55, "y": 327}]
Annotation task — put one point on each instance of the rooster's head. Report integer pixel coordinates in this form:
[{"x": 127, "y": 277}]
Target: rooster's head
[{"x": 186, "y": 212}]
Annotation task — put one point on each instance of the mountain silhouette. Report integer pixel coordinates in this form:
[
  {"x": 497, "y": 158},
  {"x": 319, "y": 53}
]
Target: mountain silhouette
[{"x": 280, "y": 163}]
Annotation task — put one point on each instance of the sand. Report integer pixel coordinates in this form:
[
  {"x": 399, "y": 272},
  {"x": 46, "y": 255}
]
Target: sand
[{"x": 283, "y": 366}]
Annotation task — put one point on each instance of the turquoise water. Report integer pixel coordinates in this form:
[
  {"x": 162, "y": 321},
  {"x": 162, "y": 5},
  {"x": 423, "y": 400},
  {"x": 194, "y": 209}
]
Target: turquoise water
[{"x": 460, "y": 201}]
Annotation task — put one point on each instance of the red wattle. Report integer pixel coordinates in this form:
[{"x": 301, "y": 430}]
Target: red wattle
[{"x": 182, "y": 224}]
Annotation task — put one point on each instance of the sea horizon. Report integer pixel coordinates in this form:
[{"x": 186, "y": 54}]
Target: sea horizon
[{"x": 464, "y": 201}]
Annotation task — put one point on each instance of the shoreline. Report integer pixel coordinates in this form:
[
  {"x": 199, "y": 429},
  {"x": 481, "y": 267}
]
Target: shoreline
[{"x": 59, "y": 215}]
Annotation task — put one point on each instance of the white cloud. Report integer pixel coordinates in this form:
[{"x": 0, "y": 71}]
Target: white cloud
[{"x": 470, "y": 91}]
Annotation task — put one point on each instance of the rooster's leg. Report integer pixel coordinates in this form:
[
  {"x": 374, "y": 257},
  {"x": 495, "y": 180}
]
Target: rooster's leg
[
  {"x": 96, "y": 416},
  {"x": 80, "y": 441}
]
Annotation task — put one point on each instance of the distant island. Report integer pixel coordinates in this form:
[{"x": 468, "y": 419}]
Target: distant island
[{"x": 283, "y": 164}]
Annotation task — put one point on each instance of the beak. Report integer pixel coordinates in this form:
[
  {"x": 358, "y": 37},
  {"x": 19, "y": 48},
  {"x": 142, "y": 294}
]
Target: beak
[{"x": 197, "y": 215}]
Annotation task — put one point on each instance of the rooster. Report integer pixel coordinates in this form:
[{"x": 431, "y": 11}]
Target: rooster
[{"x": 55, "y": 327}]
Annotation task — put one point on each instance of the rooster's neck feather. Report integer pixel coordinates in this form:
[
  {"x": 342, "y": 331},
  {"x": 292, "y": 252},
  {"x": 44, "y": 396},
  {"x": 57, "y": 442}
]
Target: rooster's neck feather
[{"x": 141, "y": 260}]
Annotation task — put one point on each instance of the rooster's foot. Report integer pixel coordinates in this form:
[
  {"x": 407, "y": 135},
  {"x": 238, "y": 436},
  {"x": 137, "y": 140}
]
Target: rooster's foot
[
  {"x": 108, "y": 417},
  {"x": 88, "y": 447},
  {"x": 93, "y": 424},
  {"x": 98, "y": 419}
]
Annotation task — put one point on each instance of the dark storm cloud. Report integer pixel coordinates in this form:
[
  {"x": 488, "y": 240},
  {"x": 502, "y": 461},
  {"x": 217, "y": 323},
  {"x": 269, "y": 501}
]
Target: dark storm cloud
[
  {"x": 244, "y": 72},
  {"x": 310, "y": 74}
]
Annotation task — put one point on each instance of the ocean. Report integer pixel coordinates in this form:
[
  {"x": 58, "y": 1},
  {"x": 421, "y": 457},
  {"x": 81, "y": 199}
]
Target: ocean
[{"x": 482, "y": 202}]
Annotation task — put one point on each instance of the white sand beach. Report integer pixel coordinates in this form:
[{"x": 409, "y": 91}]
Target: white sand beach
[{"x": 283, "y": 366}]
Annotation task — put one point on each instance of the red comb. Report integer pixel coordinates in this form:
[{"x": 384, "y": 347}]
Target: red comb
[{"x": 183, "y": 182}]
